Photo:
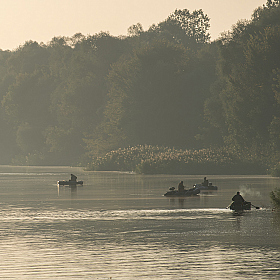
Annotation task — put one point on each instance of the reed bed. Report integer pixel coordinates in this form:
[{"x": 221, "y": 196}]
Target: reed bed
[{"x": 147, "y": 159}]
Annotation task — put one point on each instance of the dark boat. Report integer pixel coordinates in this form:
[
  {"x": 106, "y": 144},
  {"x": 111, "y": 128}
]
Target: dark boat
[
  {"x": 190, "y": 192},
  {"x": 238, "y": 207},
  {"x": 69, "y": 183},
  {"x": 72, "y": 182}
]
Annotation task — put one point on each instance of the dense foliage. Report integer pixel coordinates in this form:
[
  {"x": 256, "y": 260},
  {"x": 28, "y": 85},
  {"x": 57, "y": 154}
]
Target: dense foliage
[
  {"x": 247, "y": 90},
  {"x": 160, "y": 160},
  {"x": 76, "y": 100},
  {"x": 275, "y": 198}
]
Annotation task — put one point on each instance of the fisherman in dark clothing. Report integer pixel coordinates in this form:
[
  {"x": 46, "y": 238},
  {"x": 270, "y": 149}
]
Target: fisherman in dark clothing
[
  {"x": 73, "y": 178},
  {"x": 238, "y": 198},
  {"x": 205, "y": 182},
  {"x": 238, "y": 201},
  {"x": 181, "y": 187}
]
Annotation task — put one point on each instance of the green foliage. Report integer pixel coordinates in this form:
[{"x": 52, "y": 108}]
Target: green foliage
[
  {"x": 272, "y": 3},
  {"x": 275, "y": 197},
  {"x": 162, "y": 160},
  {"x": 156, "y": 95},
  {"x": 78, "y": 98},
  {"x": 135, "y": 29},
  {"x": 29, "y": 138},
  {"x": 62, "y": 86},
  {"x": 275, "y": 171},
  {"x": 195, "y": 24},
  {"x": 247, "y": 83}
]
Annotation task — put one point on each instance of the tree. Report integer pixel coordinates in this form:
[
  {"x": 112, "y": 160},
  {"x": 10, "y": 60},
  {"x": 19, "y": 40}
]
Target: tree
[
  {"x": 135, "y": 29},
  {"x": 156, "y": 97},
  {"x": 249, "y": 57},
  {"x": 79, "y": 99},
  {"x": 195, "y": 24}
]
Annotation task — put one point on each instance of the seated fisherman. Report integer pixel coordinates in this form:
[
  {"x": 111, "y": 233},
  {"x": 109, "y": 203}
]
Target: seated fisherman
[
  {"x": 181, "y": 187},
  {"x": 238, "y": 200},
  {"x": 205, "y": 182},
  {"x": 73, "y": 178}
]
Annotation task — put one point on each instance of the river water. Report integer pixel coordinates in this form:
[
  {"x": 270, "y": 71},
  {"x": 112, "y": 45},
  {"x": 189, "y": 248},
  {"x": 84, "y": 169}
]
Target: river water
[{"x": 120, "y": 226}]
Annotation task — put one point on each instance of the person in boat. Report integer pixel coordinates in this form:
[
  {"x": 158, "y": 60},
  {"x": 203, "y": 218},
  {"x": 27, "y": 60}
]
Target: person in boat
[
  {"x": 238, "y": 200},
  {"x": 205, "y": 182},
  {"x": 73, "y": 178},
  {"x": 181, "y": 187}
]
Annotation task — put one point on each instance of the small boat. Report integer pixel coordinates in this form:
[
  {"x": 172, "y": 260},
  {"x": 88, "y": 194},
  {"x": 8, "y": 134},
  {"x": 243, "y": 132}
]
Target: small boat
[
  {"x": 239, "y": 207},
  {"x": 72, "y": 182},
  {"x": 201, "y": 187},
  {"x": 191, "y": 192},
  {"x": 69, "y": 183},
  {"x": 205, "y": 185}
]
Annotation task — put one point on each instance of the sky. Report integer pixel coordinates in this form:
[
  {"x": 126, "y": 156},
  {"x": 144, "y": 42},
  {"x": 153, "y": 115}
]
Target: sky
[{"x": 41, "y": 20}]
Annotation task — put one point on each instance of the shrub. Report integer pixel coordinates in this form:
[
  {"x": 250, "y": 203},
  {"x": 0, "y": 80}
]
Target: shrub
[
  {"x": 275, "y": 197},
  {"x": 163, "y": 160}
]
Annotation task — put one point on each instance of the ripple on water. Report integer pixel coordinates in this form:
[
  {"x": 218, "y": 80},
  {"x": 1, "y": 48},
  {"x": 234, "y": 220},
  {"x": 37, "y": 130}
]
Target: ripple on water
[{"x": 136, "y": 244}]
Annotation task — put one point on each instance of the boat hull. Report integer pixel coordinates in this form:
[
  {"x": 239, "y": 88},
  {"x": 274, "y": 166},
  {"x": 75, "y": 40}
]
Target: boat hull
[
  {"x": 240, "y": 207},
  {"x": 191, "y": 192},
  {"x": 206, "y": 188},
  {"x": 69, "y": 183}
]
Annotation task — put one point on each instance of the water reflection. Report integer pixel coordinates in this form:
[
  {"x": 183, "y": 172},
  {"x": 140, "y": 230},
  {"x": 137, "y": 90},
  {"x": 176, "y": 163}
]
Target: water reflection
[
  {"x": 276, "y": 220},
  {"x": 183, "y": 202},
  {"x": 73, "y": 190},
  {"x": 238, "y": 222},
  {"x": 132, "y": 231}
]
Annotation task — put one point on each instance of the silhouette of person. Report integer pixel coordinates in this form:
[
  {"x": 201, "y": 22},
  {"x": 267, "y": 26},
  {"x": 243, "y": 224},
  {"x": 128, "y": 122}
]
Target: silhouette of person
[
  {"x": 73, "y": 178},
  {"x": 238, "y": 198},
  {"x": 181, "y": 187},
  {"x": 205, "y": 182}
]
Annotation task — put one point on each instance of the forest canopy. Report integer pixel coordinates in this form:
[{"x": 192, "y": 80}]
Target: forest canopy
[{"x": 75, "y": 99}]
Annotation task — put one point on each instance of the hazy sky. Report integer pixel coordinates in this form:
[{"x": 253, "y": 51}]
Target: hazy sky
[{"x": 41, "y": 20}]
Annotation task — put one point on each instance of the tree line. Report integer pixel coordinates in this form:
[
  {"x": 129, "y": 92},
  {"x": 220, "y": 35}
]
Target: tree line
[{"x": 76, "y": 98}]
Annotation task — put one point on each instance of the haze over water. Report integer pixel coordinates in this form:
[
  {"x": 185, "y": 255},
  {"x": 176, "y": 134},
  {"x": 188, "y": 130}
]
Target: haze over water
[{"x": 120, "y": 226}]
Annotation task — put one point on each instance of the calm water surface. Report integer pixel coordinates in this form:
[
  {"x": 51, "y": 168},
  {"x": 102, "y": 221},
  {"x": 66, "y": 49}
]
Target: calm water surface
[{"x": 120, "y": 226}]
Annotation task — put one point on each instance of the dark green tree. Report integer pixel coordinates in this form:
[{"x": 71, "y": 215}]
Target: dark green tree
[
  {"x": 244, "y": 92},
  {"x": 156, "y": 97},
  {"x": 195, "y": 24}
]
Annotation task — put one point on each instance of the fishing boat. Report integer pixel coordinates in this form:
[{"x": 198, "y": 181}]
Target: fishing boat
[
  {"x": 210, "y": 187},
  {"x": 241, "y": 206},
  {"x": 69, "y": 183},
  {"x": 205, "y": 185},
  {"x": 72, "y": 182},
  {"x": 182, "y": 193}
]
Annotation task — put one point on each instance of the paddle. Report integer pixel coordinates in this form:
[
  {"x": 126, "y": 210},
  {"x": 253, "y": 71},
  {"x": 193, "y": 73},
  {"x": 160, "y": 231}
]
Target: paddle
[{"x": 228, "y": 206}]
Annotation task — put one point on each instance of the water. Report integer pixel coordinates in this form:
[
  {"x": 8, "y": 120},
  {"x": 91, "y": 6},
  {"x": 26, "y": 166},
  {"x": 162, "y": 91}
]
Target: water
[{"x": 119, "y": 226}]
